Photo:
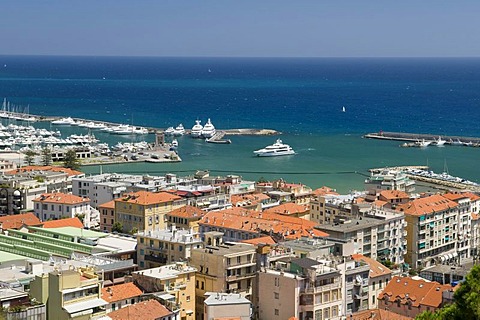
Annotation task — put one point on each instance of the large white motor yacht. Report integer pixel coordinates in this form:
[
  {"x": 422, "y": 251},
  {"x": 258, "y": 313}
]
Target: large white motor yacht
[
  {"x": 276, "y": 149},
  {"x": 197, "y": 129},
  {"x": 64, "y": 121},
  {"x": 169, "y": 131},
  {"x": 179, "y": 130},
  {"x": 208, "y": 129}
]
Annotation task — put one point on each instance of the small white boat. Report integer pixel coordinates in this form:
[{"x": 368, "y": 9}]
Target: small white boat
[
  {"x": 274, "y": 150},
  {"x": 423, "y": 143},
  {"x": 197, "y": 130},
  {"x": 439, "y": 142},
  {"x": 175, "y": 143},
  {"x": 208, "y": 130},
  {"x": 179, "y": 130}
]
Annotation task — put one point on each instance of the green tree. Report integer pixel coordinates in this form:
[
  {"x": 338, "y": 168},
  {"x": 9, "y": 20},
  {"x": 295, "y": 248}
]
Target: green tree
[
  {"x": 30, "y": 157},
  {"x": 117, "y": 227},
  {"x": 71, "y": 161},
  {"x": 46, "y": 156}
]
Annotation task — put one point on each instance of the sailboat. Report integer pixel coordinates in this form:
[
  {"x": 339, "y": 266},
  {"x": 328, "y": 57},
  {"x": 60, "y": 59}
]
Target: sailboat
[{"x": 343, "y": 109}]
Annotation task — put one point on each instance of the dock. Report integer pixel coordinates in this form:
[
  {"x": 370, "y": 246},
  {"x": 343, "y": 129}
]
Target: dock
[
  {"x": 398, "y": 168},
  {"x": 217, "y": 138},
  {"x": 414, "y": 137}
]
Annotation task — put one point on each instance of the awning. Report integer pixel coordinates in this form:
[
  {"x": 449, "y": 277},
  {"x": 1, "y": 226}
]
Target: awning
[
  {"x": 166, "y": 296},
  {"x": 189, "y": 311},
  {"x": 442, "y": 258},
  {"x": 455, "y": 254},
  {"x": 449, "y": 256},
  {"x": 84, "y": 305}
]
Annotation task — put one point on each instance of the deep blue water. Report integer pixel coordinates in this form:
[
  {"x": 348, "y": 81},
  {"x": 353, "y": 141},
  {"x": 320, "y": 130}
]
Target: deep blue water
[{"x": 302, "y": 98}]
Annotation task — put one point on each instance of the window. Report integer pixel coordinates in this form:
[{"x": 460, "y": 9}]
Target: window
[
  {"x": 188, "y": 298},
  {"x": 276, "y": 312},
  {"x": 239, "y": 259},
  {"x": 180, "y": 248},
  {"x": 380, "y": 284},
  {"x": 373, "y": 300},
  {"x": 196, "y": 284},
  {"x": 276, "y": 295},
  {"x": 373, "y": 284},
  {"x": 203, "y": 285}
]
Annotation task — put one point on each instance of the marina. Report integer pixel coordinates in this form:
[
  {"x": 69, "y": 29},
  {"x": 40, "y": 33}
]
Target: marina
[{"x": 425, "y": 140}]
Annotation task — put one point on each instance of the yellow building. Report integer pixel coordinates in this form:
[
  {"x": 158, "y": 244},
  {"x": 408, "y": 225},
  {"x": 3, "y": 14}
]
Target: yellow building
[
  {"x": 229, "y": 267},
  {"x": 144, "y": 210},
  {"x": 185, "y": 217},
  {"x": 156, "y": 248},
  {"x": 70, "y": 294},
  {"x": 174, "y": 283}
]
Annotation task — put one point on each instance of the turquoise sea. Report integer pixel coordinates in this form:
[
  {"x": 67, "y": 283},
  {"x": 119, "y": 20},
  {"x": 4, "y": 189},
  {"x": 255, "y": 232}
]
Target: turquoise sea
[{"x": 302, "y": 98}]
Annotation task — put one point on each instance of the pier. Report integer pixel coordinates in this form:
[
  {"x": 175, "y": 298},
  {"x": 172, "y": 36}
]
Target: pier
[
  {"x": 217, "y": 138},
  {"x": 415, "y": 137}
]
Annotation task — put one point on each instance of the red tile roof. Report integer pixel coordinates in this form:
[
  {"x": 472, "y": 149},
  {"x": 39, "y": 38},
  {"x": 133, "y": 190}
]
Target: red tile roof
[
  {"x": 254, "y": 198},
  {"x": 62, "y": 198},
  {"x": 68, "y": 171},
  {"x": 255, "y": 222},
  {"x": 418, "y": 292},
  {"x": 187, "y": 212},
  {"x": 378, "y": 314},
  {"x": 16, "y": 221},
  {"x": 108, "y": 205},
  {"x": 376, "y": 268},
  {"x": 68, "y": 222},
  {"x": 324, "y": 191},
  {"x": 394, "y": 194},
  {"x": 145, "y": 310},
  {"x": 121, "y": 292},
  {"x": 261, "y": 240},
  {"x": 148, "y": 198},
  {"x": 289, "y": 208},
  {"x": 426, "y": 205}
]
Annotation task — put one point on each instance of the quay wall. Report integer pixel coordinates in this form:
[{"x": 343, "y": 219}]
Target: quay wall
[{"x": 412, "y": 137}]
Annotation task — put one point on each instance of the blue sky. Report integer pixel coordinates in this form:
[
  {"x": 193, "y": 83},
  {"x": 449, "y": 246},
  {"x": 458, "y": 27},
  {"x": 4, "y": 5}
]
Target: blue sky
[{"x": 274, "y": 28}]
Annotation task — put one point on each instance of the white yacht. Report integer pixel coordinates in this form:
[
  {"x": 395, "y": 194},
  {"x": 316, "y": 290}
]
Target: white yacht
[
  {"x": 174, "y": 143},
  {"x": 439, "y": 142},
  {"x": 197, "y": 130},
  {"x": 276, "y": 149},
  {"x": 422, "y": 144},
  {"x": 123, "y": 129},
  {"x": 169, "y": 131},
  {"x": 64, "y": 121},
  {"x": 208, "y": 130},
  {"x": 179, "y": 130}
]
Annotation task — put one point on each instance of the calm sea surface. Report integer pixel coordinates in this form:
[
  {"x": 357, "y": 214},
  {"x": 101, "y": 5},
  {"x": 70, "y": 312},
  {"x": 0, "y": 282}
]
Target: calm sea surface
[{"x": 302, "y": 98}]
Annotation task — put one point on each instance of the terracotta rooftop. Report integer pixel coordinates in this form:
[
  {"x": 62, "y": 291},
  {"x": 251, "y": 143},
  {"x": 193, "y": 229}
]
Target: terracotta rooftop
[
  {"x": 16, "y": 221},
  {"x": 418, "y": 292},
  {"x": 253, "y": 197},
  {"x": 63, "y": 198},
  {"x": 378, "y": 314},
  {"x": 145, "y": 310},
  {"x": 108, "y": 205},
  {"x": 379, "y": 203},
  {"x": 261, "y": 240},
  {"x": 68, "y": 222},
  {"x": 288, "y": 208},
  {"x": 324, "y": 191},
  {"x": 394, "y": 194},
  {"x": 461, "y": 195},
  {"x": 427, "y": 205},
  {"x": 68, "y": 171},
  {"x": 187, "y": 212},
  {"x": 376, "y": 268},
  {"x": 147, "y": 198},
  {"x": 121, "y": 292},
  {"x": 475, "y": 216},
  {"x": 255, "y": 222}
]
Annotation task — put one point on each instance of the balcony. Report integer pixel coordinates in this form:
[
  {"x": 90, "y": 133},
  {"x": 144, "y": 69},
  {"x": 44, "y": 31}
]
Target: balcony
[
  {"x": 319, "y": 289},
  {"x": 155, "y": 258},
  {"x": 237, "y": 277}
]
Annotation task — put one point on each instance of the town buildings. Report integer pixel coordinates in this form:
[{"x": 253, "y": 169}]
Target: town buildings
[{"x": 227, "y": 306}]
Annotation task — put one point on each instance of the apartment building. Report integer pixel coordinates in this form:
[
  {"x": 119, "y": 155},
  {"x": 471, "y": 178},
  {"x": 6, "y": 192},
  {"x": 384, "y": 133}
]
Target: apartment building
[
  {"x": 107, "y": 215},
  {"x": 434, "y": 227},
  {"x": 70, "y": 294},
  {"x": 121, "y": 295},
  {"x": 380, "y": 234},
  {"x": 174, "y": 283},
  {"x": 325, "y": 208},
  {"x": 378, "y": 278},
  {"x": 17, "y": 193},
  {"x": 223, "y": 267},
  {"x": 162, "y": 246},
  {"x": 302, "y": 288},
  {"x": 144, "y": 210},
  {"x": 61, "y": 205}
]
